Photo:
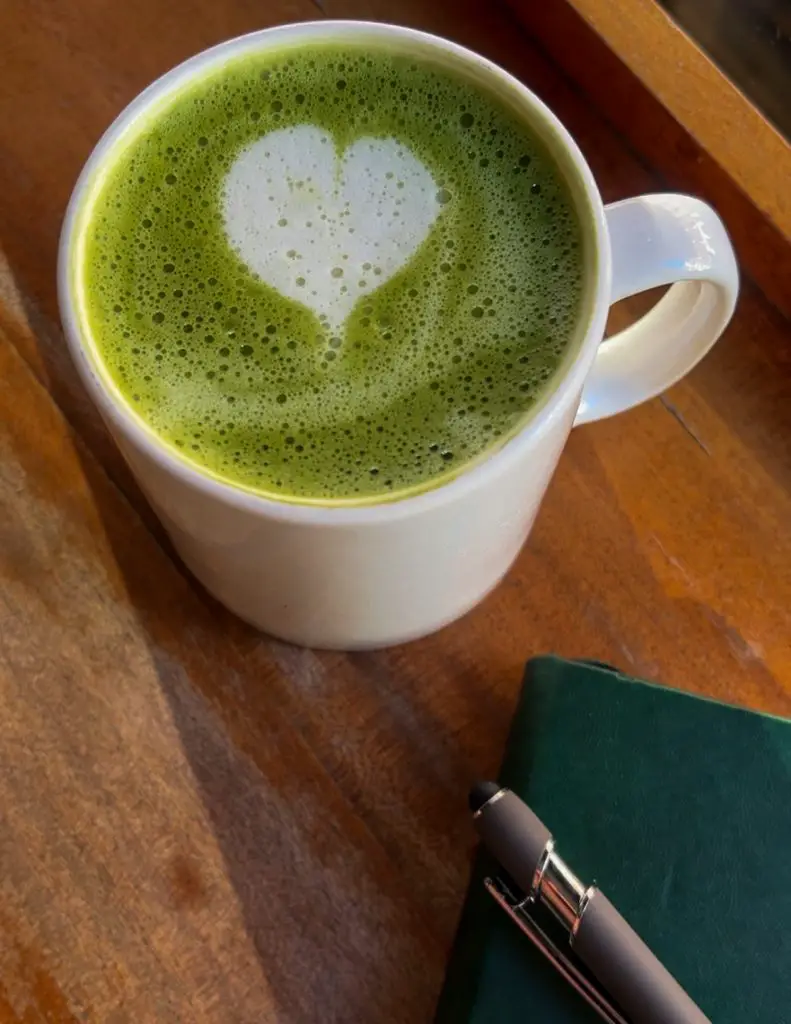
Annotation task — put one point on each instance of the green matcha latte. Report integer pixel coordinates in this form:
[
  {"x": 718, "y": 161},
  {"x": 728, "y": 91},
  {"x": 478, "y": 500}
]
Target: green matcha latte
[{"x": 331, "y": 272}]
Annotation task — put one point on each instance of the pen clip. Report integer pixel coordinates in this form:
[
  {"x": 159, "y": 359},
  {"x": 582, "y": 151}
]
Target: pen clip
[{"x": 518, "y": 911}]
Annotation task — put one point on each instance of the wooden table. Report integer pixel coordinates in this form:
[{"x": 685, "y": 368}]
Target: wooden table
[{"x": 198, "y": 824}]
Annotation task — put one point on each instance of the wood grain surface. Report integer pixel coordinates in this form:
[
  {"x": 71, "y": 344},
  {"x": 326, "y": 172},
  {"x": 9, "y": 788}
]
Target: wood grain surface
[
  {"x": 751, "y": 41},
  {"x": 701, "y": 96},
  {"x": 679, "y": 160},
  {"x": 198, "y": 824}
]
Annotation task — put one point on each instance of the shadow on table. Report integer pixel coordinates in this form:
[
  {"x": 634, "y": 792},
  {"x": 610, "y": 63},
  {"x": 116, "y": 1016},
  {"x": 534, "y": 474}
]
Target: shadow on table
[{"x": 332, "y": 922}]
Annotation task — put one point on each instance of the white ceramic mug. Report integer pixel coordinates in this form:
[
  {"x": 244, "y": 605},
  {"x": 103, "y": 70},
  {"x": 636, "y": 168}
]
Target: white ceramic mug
[{"x": 378, "y": 574}]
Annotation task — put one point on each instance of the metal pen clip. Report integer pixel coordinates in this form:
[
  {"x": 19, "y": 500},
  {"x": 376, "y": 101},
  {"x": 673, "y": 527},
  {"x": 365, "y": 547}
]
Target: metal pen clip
[{"x": 519, "y": 909}]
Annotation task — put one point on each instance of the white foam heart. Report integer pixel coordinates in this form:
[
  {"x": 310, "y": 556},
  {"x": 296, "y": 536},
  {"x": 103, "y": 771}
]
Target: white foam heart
[{"x": 322, "y": 229}]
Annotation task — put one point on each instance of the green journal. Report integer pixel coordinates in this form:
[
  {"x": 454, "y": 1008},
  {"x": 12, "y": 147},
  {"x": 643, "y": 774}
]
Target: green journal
[{"x": 679, "y": 808}]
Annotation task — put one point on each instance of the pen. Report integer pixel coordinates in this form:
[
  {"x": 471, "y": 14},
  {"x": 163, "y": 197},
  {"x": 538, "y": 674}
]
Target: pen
[{"x": 644, "y": 992}]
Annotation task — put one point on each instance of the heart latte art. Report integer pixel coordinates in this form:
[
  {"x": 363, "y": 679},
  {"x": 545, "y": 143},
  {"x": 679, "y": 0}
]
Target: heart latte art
[
  {"x": 331, "y": 273},
  {"x": 324, "y": 228}
]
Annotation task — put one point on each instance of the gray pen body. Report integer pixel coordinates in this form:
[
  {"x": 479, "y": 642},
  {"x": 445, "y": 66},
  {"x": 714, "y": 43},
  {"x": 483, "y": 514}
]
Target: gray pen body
[
  {"x": 619, "y": 959},
  {"x": 514, "y": 836},
  {"x": 628, "y": 970}
]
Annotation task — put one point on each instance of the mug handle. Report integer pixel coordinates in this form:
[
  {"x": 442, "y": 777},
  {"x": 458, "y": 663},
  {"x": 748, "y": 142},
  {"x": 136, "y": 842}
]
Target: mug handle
[{"x": 658, "y": 240}]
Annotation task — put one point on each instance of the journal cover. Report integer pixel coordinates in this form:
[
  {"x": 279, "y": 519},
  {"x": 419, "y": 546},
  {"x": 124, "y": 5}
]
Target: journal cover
[{"x": 679, "y": 808}]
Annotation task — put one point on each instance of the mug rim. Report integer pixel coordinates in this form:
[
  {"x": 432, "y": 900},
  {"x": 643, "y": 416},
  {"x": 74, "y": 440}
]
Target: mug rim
[{"x": 134, "y": 429}]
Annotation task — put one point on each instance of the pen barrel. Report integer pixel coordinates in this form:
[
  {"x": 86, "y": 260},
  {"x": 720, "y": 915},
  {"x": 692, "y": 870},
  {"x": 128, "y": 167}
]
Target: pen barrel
[
  {"x": 644, "y": 989},
  {"x": 514, "y": 836}
]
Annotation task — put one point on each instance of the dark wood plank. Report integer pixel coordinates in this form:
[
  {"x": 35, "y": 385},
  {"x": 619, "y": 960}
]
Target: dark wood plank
[
  {"x": 201, "y": 824},
  {"x": 678, "y": 70},
  {"x": 751, "y": 42},
  {"x": 697, "y": 92}
]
